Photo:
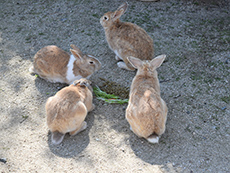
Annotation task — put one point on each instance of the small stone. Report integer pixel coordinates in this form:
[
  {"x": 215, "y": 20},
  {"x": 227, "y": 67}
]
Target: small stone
[
  {"x": 223, "y": 108},
  {"x": 3, "y": 160}
]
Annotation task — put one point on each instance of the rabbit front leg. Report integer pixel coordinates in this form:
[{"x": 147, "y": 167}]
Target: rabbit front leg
[
  {"x": 92, "y": 108},
  {"x": 117, "y": 57}
]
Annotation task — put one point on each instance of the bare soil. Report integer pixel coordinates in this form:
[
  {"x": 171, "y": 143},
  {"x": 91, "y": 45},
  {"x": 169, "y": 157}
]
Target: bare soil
[{"x": 195, "y": 36}]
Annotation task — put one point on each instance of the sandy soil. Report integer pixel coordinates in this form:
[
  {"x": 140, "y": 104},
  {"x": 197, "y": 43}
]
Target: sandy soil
[{"x": 195, "y": 36}]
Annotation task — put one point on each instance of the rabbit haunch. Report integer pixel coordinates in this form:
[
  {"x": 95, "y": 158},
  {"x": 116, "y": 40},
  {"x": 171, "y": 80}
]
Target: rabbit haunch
[
  {"x": 67, "y": 109},
  {"x": 55, "y": 65}
]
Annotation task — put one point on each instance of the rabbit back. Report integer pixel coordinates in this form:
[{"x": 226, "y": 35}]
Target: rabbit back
[
  {"x": 146, "y": 113},
  {"x": 65, "y": 111},
  {"x": 50, "y": 63},
  {"x": 130, "y": 40}
]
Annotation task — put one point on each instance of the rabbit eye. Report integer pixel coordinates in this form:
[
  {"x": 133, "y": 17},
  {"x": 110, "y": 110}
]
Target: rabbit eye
[
  {"x": 91, "y": 62},
  {"x": 106, "y": 18}
]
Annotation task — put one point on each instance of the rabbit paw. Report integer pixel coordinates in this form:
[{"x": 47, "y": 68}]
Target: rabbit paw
[
  {"x": 117, "y": 58},
  {"x": 123, "y": 65},
  {"x": 131, "y": 128},
  {"x": 153, "y": 139},
  {"x": 92, "y": 108}
]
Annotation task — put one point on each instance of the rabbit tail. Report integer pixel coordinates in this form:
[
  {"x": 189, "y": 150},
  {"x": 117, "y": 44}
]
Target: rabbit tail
[
  {"x": 154, "y": 138},
  {"x": 57, "y": 137}
]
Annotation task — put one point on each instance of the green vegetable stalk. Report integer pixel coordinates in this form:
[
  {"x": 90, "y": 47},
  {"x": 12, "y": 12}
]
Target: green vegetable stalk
[{"x": 109, "y": 98}]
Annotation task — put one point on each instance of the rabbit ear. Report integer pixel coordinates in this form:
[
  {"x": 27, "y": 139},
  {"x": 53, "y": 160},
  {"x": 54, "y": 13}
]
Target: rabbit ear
[
  {"x": 76, "y": 54},
  {"x": 156, "y": 62},
  {"x": 77, "y": 49},
  {"x": 121, "y": 10},
  {"x": 83, "y": 83},
  {"x": 76, "y": 82},
  {"x": 135, "y": 62}
]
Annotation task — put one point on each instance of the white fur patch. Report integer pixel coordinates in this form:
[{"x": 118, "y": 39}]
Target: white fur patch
[
  {"x": 69, "y": 74},
  {"x": 119, "y": 57},
  {"x": 122, "y": 65},
  {"x": 131, "y": 128}
]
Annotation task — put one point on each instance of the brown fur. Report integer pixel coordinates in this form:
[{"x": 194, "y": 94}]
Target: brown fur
[
  {"x": 127, "y": 38},
  {"x": 84, "y": 67},
  {"x": 146, "y": 111},
  {"x": 66, "y": 111},
  {"x": 45, "y": 62},
  {"x": 50, "y": 63}
]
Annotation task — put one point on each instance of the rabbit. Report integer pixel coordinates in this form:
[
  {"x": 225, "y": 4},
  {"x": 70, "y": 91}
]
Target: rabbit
[
  {"x": 146, "y": 111},
  {"x": 55, "y": 65},
  {"x": 126, "y": 39},
  {"x": 67, "y": 109}
]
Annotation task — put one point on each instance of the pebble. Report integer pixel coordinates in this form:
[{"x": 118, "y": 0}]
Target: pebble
[
  {"x": 3, "y": 160},
  {"x": 223, "y": 108}
]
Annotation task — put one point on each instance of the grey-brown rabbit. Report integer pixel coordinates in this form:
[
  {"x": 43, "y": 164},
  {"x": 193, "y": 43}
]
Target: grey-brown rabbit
[{"x": 126, "y": 39}]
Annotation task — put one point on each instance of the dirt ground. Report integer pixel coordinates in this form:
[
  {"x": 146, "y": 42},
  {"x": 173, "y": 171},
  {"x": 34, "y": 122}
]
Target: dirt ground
[{"x": 195, "y": 36}]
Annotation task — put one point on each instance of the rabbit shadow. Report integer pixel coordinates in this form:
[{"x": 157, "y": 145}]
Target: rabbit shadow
[
  {"x": 149, "y": 153},
  {"x": 47, "y": 89},
  {"x": 72, "y": 146}
]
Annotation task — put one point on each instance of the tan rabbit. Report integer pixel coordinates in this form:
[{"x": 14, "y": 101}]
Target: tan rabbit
[
  {"x": 66, "y": 111},
  {"x": 126, "y": 39},
  {"x": 55, "y": 65},
  {"x": 146, "y": 111}
]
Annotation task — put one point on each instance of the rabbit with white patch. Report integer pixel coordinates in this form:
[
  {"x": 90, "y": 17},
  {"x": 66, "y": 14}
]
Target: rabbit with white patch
[
  {"x": 126, "y": 39},
  {"x": 67, "y": 110},
  {"x": 56, "y": 65},
  {"x": 146, "y": 111}
]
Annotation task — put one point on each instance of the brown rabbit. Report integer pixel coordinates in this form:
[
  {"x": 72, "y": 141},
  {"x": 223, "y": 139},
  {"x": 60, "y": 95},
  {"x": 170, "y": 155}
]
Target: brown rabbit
[
  {"x": 55, "y": 65},
  {"x": 126, "y": 39},
  {"x": 146, "y": 111},
  {"x": 66, "y": 111}
]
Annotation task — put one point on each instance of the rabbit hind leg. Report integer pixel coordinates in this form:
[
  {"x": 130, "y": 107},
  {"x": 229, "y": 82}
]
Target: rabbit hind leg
[
  {"x": 83, "y": 127},
  {"x": 122, "y": 65}
]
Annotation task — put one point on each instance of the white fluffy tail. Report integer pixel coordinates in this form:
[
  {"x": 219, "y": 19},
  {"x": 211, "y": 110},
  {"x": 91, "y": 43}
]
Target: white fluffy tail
[
  {"x": 153, "y": 139},
  {"x": 57, "y": 137}
]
